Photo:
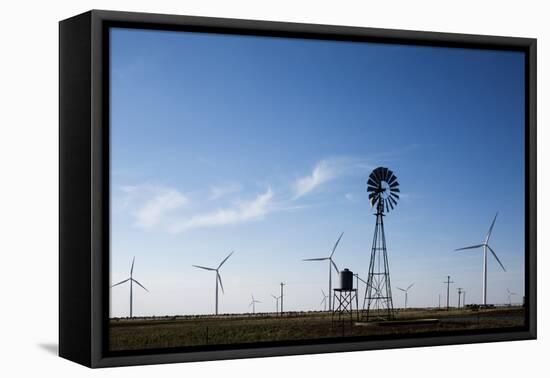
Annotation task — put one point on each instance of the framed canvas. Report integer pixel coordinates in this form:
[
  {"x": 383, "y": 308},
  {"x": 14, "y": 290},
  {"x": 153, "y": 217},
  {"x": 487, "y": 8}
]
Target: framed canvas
[{"x": 234, "y": 188}]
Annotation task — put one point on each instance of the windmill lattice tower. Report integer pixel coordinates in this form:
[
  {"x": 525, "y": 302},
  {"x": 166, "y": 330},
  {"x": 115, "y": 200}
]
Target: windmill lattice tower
[{"x": 383, "y": 191}]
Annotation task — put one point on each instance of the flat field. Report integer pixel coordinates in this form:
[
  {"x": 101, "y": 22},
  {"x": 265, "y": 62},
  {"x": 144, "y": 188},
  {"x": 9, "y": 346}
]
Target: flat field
[{"x": 181, "y": 331}]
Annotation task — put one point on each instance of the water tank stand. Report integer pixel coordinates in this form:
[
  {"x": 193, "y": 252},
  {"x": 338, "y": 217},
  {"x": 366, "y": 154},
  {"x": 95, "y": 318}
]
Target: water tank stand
[{"x": 344, "y": 300}]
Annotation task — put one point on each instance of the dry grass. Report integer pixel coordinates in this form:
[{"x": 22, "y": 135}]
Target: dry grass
[{"x": 169, "y": 332}]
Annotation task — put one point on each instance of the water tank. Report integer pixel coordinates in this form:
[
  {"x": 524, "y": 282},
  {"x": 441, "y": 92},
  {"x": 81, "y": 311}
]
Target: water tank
[{"x": 346, "y": 279}]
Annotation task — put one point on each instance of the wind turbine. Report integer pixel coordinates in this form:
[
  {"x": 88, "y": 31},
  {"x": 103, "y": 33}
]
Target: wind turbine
[
  {"x": 324, "y": 301},
  {"x": 510, "y": 296},
  {"x": 277, "y": 303},
  {"x": 331, "y": 264},
  {"x": 406, "y": 293},
  {"x": 485, "y": 245},
  {"x": 253, "y": 303},
  {"x": 132, "y": 280},
  {"x": 218, "y": 277}
]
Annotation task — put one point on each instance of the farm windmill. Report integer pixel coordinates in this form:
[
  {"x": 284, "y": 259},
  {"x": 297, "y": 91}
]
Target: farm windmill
[
  {"x": 486, "y": 247},
  {"x": 331, "y": 264},
  {"x": 131, "y": 279},
  {"x": 218, "y": 276},
  {"x": 383, "y": 190}
]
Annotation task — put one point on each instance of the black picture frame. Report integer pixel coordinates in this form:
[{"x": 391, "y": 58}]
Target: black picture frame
[{"x": 84, "y": 183}]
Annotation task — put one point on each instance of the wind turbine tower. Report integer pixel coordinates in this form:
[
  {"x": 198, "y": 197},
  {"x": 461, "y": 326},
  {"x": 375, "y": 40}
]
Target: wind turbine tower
[
  {"x": 131, "y": 279},
  {"x": 276, "y": 303},
  {"x": 486, "y": 247},
  {"x": 406, "y": 291},
  {"x": 448, "y": 282},
  {"x": 218, "y": 276},
  {"x": 331, "y": 264},
  {"x": 253, "y": 303}
]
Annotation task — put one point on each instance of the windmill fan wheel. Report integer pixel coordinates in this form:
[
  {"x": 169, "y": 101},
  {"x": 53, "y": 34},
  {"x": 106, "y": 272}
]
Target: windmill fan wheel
[{"x": 383, "y": 189}]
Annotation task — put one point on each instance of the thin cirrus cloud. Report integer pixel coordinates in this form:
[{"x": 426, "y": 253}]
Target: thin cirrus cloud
[
  {"x": 156, "y": 203},
  {"x": 220, "y": 191},
  {"x": 324, "y": 171},
  {"x": 244, "y": 211},
  {"x": 164, "y": 208}
]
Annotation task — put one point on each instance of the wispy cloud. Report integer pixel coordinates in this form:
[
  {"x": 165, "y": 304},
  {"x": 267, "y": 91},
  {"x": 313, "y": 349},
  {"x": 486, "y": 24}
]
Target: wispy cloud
[
  {"x": 322, "y": 172},
  {"x": 154, "y": 203},
  {"x": 220, "y": 191},
  {"x": 327, "y": 170},
  {"x": 254, "y": 209}
]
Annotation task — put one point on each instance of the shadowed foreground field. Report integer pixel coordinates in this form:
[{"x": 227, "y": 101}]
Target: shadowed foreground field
[{"x": 168, "y": 332}]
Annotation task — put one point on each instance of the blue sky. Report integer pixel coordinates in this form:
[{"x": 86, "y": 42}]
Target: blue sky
[{"x": 263, "y": 146}]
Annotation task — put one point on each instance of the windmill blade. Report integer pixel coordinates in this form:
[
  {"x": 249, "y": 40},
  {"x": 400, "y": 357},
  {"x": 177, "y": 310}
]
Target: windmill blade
[
  {"x": 374, "y": 175},
  {"x": 323, "y": 301},
  {"x": 224, "y": 260},
  {"x": 395, "y": 189},
  {"x": 121, "y": 282},
  {"x": 387, "y": 207},
  {"x": 336, "y": 244},
  {"x": 372, "y": 182},
  {"x": 317, "y": 259},
  {"x": 203, "y": 267},
  {"x": 401, "y": 289},
  {"x": 394, "y": 202},
  {"x": 392, "y": 194},
  {"x": 132, "y": 268},
  {"x": 220, "y": 281},
  {"x": 471, "y": 247},
  {"x": 491, "y": 228},
  {"x": 136, "y": 281},
  {"x": 251, "y": 303},
  {"x": 274, "y": 297},
  {"x": 411, "y": 285},
  {"x": 334, "y": 265},
  {"x": 394, "y": 185},
  {"x": 372, "y": 189},
  {"x": 496, "y": 257},
  {"x": 322, "y": 291},
  {"x": 392, "y": 178}
]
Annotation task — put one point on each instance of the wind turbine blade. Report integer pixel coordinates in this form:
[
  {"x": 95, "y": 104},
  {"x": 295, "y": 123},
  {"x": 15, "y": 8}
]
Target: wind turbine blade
[
  {"x": 411, "y": 285},
  {"x": 491, "y": 229},
  {"x": 495, "y": 255},
  {"x": 323, "y": 301},
  {"x": 336, "y": 244},
  {"x": 220, "y": 280},
  {"x": 224, "y": 260},
  {"x": 401, "y": 289},
  {"x": 121, "y": 282},
  {"x": 203, "y": 267},
  {"x": 471, "y": 247},
  {"x": 132, "y": 268},
  {"x": 274, "y": 297},
  {"x": 136, "y": 281},
  {"x": 334, "y": 265},
  {"x": 317, "y": 259},
  {"x": 322, "y": 291}
]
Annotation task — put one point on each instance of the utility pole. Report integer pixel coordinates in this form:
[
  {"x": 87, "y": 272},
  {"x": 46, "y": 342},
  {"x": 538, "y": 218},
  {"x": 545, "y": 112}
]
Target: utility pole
[
  {"x": 459, "y": 296},
  {"x": 448, "y": 282},
  {"x": 282, "y": 284}
]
